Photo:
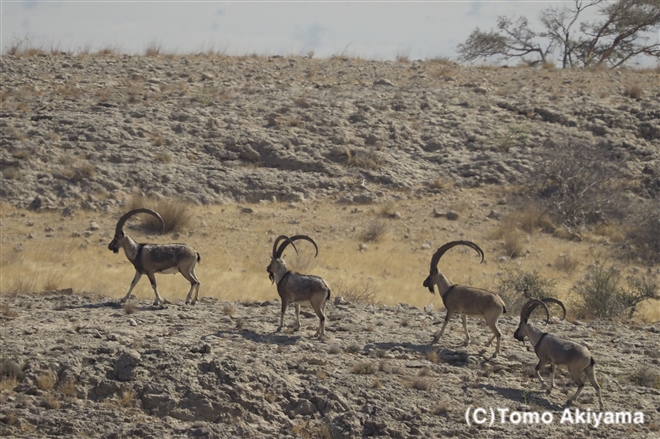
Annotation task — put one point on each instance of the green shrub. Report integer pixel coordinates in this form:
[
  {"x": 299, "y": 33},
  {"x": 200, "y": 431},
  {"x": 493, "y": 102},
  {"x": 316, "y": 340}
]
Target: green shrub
[
  {"x": 517, "y": 287},
  {"x": 603, "y": 297}
]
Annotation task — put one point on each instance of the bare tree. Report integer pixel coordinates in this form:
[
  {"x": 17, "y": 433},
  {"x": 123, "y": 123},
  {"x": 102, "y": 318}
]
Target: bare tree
[
  {"x": 559, "y": 24},
  {"x": 620, "y": 35},
  {"x": 513, "y": 39}
]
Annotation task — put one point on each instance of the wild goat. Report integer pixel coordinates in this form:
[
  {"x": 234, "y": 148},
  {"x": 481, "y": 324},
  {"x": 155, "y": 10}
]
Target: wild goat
[
  {"x": 156, "y": 258},
  {"x": 295, "y": 287},
  {"x": 463, "y": 300},
  {"x": 555, "y": 351}
]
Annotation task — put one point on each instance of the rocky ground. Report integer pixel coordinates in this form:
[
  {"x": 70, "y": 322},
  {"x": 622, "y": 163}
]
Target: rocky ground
[
  {"x": 88, "y": 367},
  {"x": 88, "y": 131},
  {"x": 80, "y": 131}
]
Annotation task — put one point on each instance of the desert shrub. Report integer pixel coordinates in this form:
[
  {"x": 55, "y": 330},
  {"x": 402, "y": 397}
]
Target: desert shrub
[
  {"x": 516, "y": 287},
  {"x": 364, "y": 368},
  {"x": 355, "y": 293},
  {"x": 633, "y": 91},
  {"x": 363, "y": 158},
  {"x": 576, "y": 183},
  {"x": 513, "y": 246},
  {"x": 374, "y": 231},
  {"x": 645, "y": 375},
  {"x": 10, "y": 369},
  {"x": 176, "y": 214},
  {"x": 602, "y": 296},
  {"x": 645, "y": 231}
]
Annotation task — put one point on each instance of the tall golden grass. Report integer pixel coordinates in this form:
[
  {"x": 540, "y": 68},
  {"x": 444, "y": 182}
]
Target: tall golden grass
[{"x": 235, "y": 248}]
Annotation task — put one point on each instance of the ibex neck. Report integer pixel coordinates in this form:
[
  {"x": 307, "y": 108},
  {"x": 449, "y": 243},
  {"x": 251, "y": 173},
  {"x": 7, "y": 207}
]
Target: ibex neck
[{"x": 443, "y": 284}]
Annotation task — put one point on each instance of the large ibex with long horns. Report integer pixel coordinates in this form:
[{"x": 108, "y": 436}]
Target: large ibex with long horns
[
  {"x": 295, "y": 287},
  {"x": 156, "y": 258},
  {"x": 556, "y": 351},
  {"x": 465, "y": 300}
]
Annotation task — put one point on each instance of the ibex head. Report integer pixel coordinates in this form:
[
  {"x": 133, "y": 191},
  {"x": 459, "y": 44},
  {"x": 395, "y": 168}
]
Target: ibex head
[
  {"x": 115, "y": 244},
  {"x": 276, "y": 260}
]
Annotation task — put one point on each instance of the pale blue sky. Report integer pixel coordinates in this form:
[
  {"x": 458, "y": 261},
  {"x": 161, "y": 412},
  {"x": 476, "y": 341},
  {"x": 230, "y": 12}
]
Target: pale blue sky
[{"x": 370, "y": 29}]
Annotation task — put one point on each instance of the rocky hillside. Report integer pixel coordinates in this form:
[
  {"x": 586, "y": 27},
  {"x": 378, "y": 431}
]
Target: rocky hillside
[
  {"x": 81, "y": 131},
  {"x": 82, "y": 366}
]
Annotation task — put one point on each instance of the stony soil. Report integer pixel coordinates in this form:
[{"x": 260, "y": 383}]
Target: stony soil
[
  {"x": 87, "y": 132},
  {"x": 91, "y": 368},
  {"x": 83, "y": 130}
]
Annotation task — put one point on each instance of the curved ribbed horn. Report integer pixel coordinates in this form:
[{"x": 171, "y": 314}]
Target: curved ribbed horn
[
  {"x": 126, "y": 216},
  {"x": 531, "y": 306},
  {"x": 306, "y": 238},
  {"x": 277, "y": 252},
  {"x": 558, "y": 302},
  {"x": 441, "y": 251}
]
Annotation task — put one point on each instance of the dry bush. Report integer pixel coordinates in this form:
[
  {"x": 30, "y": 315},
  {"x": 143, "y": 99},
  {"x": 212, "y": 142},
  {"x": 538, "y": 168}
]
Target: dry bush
[
  {"x": 10, "y": 369},
  {"x": 374, "y": 231},
  {"x": 363, "y": 158},
  {"x": 50, "y": 402},
  {"x": 7, "y": 384},
  {"x": 364, "y": 368},
  {"x": 533, "y": 219},
  {"x": 333, "y": 349},
  {"x": 403, "y": 56},
  {"x": 566, "y": 263},
  {"x": 634, "y": 92},
  {"x": 228, "y": 310},
  {"x": 441, "y": 407},
  {"x": 6, "y": 311},
  {"x": 517, "y": 287},
  {"x": 433, "y": 356},
  {"x": 576, "y": 183},
  {"x": 513, "y": 243},
  {"x": 388, "y": 209},
  {"x": 153, "y": 49},
  {"x": 420, "y": 384},
  {"x": 164, "y": 157},
  {"x": 644, "y": 231},
  {"x": 21, "y": 285},
  {"x": 12, "y": 173},
  {"x": 355, "y": 293},
  {"x": 130, "y": 308},
  {"x": 53, "y": 279},
  {"x": 157, "y": 139},
  {"x": 125, "y": 399},
  {"x": 376, "y": 383},
  {"x": 602, "y": 295},
  {"x": 176, "y": 214},
  {"x": 45, "y": 381},
  {"x": 647, "y": 376},
  {"x": 68, "y": 388}
]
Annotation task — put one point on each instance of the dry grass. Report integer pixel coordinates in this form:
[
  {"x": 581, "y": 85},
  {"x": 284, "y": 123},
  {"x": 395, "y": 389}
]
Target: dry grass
[
  {"x": 634, "y": 92},
  {"x": 6, "y": 311},
  {"x": 130, "y": 308},
  {"x": 374, "y": 231},
  {"x": 176, "y": 214},
  {"x": 45, "y": 381},
  {"x": 513, "y": 244},
  {"x": 68, "y": 388},
  {"x": 235, "y": 250},
  {"x": 50, "y": 402},
  {"x": 364, "y": 368}
]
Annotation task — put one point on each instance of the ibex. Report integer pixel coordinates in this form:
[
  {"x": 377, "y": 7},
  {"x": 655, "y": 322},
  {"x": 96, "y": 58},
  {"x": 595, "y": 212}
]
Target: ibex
[
  {"x": 156, "y": 258},
  {"x": 295, "y": 287},
  {"x": 556, "y": 351},
  {"x": 464, "y": 300}
]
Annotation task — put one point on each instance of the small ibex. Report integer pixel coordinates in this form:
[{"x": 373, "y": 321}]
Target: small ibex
[
  {"x": 556, "y": 351},
  {"x": 295, "y": 287},
  {"x": 156, "y": 258},
  {"x": 464, "y": 300}
]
